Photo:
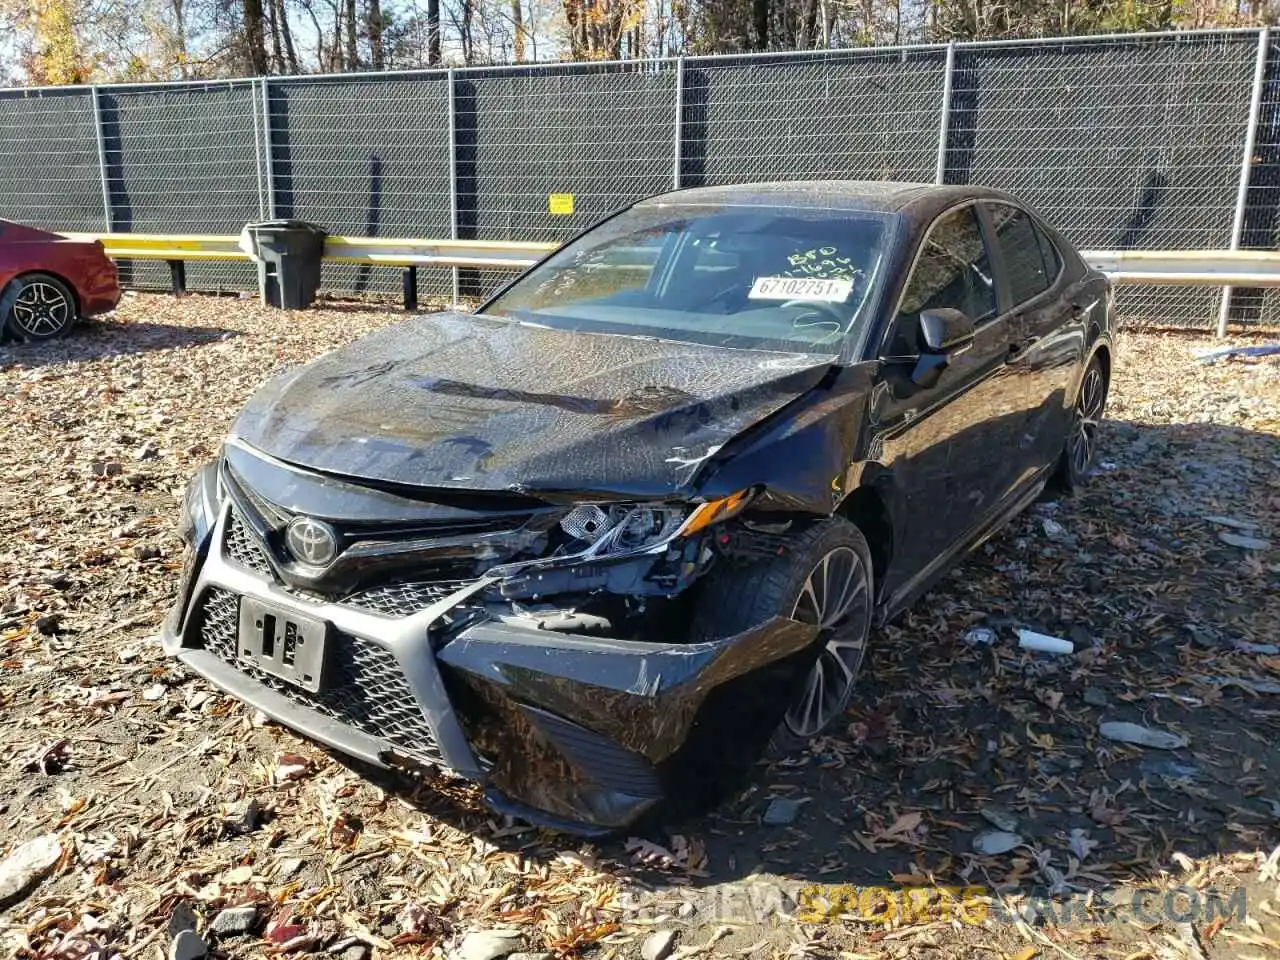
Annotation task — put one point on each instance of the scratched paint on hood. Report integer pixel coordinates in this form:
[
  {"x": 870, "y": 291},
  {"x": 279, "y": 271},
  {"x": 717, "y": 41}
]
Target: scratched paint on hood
[{"x": 449, "y": 400}]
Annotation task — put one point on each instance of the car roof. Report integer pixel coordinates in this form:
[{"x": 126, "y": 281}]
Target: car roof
[{"x": 916, "y": 200}]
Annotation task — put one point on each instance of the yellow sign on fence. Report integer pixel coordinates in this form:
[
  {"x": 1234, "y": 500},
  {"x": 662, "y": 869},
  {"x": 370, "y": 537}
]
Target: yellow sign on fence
[{"x": 560, "y": 204}]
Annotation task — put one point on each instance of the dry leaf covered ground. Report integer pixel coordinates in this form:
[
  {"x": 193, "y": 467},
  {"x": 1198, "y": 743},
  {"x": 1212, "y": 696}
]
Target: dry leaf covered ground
[{"x": 169, "y": 806}]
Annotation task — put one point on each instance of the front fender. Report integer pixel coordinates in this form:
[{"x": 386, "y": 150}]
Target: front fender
[{"x": 800, "y": 459}]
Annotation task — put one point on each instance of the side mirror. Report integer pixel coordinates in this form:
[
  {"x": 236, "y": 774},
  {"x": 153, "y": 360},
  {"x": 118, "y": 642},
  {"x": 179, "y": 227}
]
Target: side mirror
[
  {"x": 946, "y": 333},
  {"x": 946, "y": 330}
]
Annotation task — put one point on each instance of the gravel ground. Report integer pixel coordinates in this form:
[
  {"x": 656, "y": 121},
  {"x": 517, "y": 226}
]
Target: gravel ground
[{"x": 165, "y": 805}]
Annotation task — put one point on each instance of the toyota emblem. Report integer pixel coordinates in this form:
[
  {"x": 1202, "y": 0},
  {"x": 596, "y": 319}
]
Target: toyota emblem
[{"x": 312, "y": 541}]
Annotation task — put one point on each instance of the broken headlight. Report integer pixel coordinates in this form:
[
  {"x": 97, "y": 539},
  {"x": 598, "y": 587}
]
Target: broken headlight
[{"x": 621, "y": 528}]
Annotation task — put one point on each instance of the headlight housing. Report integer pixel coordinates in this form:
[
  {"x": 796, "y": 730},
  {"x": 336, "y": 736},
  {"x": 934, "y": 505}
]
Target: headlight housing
[{"x": 616, "y": 529}]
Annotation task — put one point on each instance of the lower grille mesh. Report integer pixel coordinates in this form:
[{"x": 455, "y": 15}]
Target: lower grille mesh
[
  {"x": 364, "y": 687},
  {"x": 243, "y": 549},
  {"x": 403, "y": 599}
]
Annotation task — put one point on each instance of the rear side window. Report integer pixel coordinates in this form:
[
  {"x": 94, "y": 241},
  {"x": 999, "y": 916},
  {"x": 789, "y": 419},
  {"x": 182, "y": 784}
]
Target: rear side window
[
  {"x": 1029, "y": 258},
  {"x": 1052, "y": 259}
]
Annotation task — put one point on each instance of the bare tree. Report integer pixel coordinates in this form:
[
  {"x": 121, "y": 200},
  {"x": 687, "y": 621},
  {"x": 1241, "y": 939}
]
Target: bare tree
[
  {"x": 255, "y": 38},
  {"x": 273, "y": 28},
  {"x": 353, "y": 51},
  {"x": 286, "y": 33},
  {"x": 517, "y": 30},
  {"x": 373, "y": 26},
  {"x": 433, "y": 33}
]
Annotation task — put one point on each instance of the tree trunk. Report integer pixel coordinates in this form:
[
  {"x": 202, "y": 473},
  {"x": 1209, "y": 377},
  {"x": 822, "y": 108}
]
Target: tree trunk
[
  {"x": 338, "y": 63},
  {"x": 464, "y": 30},
  {"x": 273, "y": 25},
  {"x": 517, "y": 29},
  {"x": 374, "y": 16},
  {"x": 433, "y": 33},
  {"x": 290, "y": 52},
  {"x": 353, "y": 53},
  {"x": 571, "y": 13},
  {"x": 760, "y": 17},
  {"x": 254, "y": 36},
  {"x": 180, "y": 37},
  {"x": 808, "y": 25}
]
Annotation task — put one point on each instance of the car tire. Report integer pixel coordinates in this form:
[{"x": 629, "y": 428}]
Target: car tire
[
  {"x": 38, "y": 307},
  {"x": 1081, "y": 445},
  {"x": 734, "y": 599}
]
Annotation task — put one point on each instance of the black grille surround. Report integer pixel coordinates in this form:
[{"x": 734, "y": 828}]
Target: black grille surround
[
  {"x": 364, "y": 686},
  {"x": 241, "y": 547}
]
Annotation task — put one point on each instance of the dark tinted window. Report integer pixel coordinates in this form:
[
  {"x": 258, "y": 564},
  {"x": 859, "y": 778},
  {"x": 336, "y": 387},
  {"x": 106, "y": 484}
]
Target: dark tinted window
[
  {"x": 952, "y": 271},
  {"x": 1052, "y": 259},
  {"x": 1022, "y": 246}
]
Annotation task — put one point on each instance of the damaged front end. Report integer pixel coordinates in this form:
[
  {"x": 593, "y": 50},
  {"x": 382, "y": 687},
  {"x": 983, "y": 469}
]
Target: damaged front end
[{"x": 537, "y": 645}]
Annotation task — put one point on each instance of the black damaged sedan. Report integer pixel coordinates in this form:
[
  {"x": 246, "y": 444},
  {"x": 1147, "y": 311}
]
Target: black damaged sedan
[{"x": 602, "y": 543}]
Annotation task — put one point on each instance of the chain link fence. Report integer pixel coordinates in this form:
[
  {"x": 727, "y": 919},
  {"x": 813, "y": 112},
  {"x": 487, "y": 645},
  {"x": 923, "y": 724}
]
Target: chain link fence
[{"x": 1128, "y": 142}]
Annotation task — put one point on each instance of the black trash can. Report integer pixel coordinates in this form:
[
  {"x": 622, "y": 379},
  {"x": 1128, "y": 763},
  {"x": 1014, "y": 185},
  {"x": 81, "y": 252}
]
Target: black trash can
[{"x": 288, "y": 253}]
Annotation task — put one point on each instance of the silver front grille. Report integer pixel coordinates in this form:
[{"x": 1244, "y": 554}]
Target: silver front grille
[
  {"x": 403, "y": 599},
  {"x": 364, "y": 685},
  {"x": 242, "y": 547}
]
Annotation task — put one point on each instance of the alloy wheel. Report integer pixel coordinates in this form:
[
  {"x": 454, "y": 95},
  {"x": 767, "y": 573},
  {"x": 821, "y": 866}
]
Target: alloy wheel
[
  {"x": 834, "y": 598},
  {"x": 1083, "y": 443},
  {"x": 40, "y": 310}
]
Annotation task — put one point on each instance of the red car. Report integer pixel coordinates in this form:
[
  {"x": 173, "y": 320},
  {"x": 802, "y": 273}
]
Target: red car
[{"x": 47, "y": 281}]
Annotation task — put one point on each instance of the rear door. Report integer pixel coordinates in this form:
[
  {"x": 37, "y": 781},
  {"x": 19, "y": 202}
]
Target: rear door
[
  {"x": 1046, "y": 333},
  {"x": 947, "y": 445}
]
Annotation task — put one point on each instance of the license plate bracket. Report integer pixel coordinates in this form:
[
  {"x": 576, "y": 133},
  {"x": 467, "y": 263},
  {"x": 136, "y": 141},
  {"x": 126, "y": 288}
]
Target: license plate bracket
[{"x": 282, "y": 643}]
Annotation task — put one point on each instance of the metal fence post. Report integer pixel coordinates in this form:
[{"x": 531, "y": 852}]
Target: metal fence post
[
  {"x": 102, "y": 159},
  {"x": 267, "y": 152},
  {"x": 453, "y": 174},
  {"x": 944, "y": 121},
  {"x": 257, "y": 152},
  {"x": 679, "y": 124},
  {"x": 1246, "y": 165}
]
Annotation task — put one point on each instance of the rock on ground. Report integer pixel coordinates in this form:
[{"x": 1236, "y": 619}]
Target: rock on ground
[
  {"x": 993, "y": 842},
  {"x": 781, "y": 811},
  {"x": 657, "y": 946},
  {"x": 1125, "y": 732},
  {"x": 27, "y": 866},
  {"x": 234, "y": 921},
  {"x": 188, "y": 945},
  {"x": 489, "y": 945}
]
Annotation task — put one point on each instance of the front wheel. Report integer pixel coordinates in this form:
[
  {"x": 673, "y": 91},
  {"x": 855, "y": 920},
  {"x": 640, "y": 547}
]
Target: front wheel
[
  {"x": 1082, "y": 437},
  {"x": 825, "y": 580},
  {"x": 40, "y": 307}
]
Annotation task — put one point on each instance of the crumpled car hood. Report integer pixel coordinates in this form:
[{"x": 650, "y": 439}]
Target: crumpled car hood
[{"x": 469, "y": 402}]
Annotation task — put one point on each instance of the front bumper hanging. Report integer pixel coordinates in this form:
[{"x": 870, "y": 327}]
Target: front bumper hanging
[{"x": 575, "y": 733}]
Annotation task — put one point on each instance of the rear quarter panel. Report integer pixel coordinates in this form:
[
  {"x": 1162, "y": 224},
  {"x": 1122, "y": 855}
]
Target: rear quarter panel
[{"x": 84, "y": 266}]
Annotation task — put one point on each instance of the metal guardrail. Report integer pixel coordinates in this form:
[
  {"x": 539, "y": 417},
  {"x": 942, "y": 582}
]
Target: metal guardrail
[
  {"x": 408, "y": 254},
  {"x": 1240, "y": 268},
  {"x": 379, "y": 251}
]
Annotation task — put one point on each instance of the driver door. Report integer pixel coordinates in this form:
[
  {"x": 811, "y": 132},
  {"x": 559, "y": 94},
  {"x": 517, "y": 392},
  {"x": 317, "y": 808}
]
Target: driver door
[{"x": 947, "y": 445}]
